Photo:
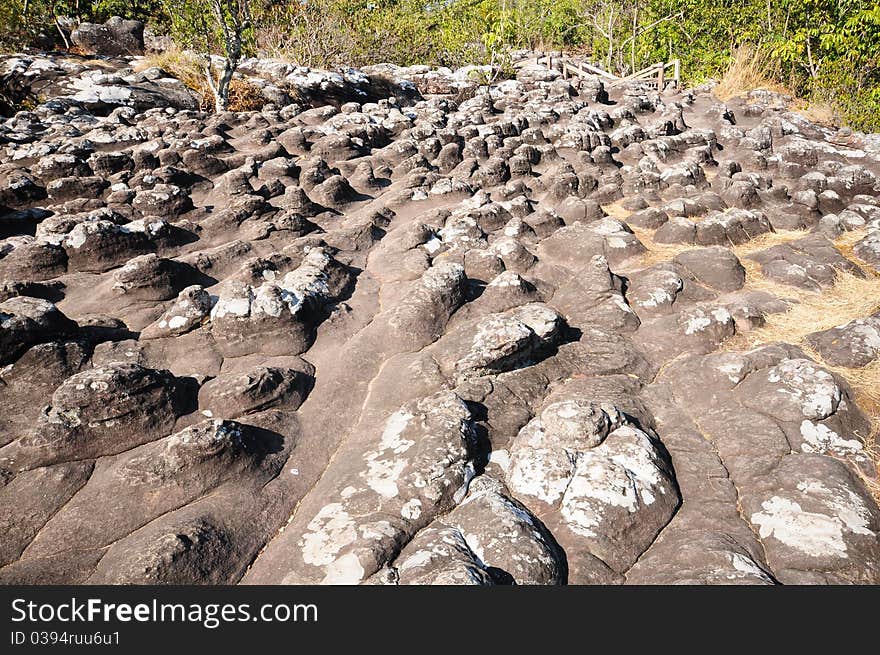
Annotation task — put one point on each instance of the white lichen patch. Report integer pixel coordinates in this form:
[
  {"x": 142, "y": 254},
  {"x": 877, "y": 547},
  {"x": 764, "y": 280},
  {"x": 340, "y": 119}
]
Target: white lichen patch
[
  {"x": 77, "y": 237},
  {"x": 501, "y": 458},
  {"x": 820, "y": 438},
  {"x": 816, "y": 535},
  {"x": 575, "y": 423},
  {"x": 412, "y": 509},
  {"x": 384, "y": 466},
  {"x": 624, "y": 472},
  {"x": 594, "y": 487},
  {"x": 377, "y": 531},
  {"x": 443, "y": 276},
  {"x": 496, "y": 338},
  {"x": 656, "y": 298},
  {"x": 382, "y": 475},
  {"x": 748, "y": 566},
  {"x": 699, "y": 319},
  {"x": 308, "y": 282},
  {"x": 810, "y": 386},
  {"x": 734, "y": 367},
  {"x": 697, "y": 324},
  {"x": 846, "y": 505},
  {"x": 395, "y": 426},
  {"x": 507, "y": 279},
  {"x": 232, "y": 306},
  {"x": 433, "y": 245},
  {"x": 542, "y": 473},
  {"x": 540, "y": 319},
  {"x": 347, "y": 570},
  {"x": 331, "y": 530}
]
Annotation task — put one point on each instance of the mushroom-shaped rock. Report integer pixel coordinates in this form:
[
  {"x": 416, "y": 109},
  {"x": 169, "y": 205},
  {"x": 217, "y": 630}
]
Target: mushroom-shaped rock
[
  {"x": 101, "y": 411},
  {"x": 26, "y": 321},
  {"x": 190, "y": 309}
]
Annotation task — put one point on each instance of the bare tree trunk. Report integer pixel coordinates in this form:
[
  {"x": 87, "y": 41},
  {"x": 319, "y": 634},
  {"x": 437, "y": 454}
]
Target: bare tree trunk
[
  {"x": 61, "y": 32},
  {"x": 814, "y": 70},
  {"x": 220, "y": 86},
  {"x": 233, "y": 23},
  {"x": 610, "y": 60},
  {"x": 212, "y": 83},
  {"x": 632, "y": 47},
  {"x": 222, "y": 98}
]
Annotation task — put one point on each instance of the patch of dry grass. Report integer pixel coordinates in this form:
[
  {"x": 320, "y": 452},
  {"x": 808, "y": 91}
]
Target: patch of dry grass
[
  {"x": 617, "y": 210},
  {"x": 845, "y": 244},
  {"x": 872, "y": 449},
  {"x": 767, "y": 240},
  {"x": 817, "y": 111},
  {"x": 244, "y": 95},
  {"x": 663, "y": 252},
  {"x": 186, "y": 67},
  {"x": 850, "y": 297},
  {"x": 752, "y": 68},
  {"x": 749, "y": 70},
  {"x": 657, "y": 253}
]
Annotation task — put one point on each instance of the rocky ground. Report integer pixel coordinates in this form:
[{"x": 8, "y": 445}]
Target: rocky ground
[{"x": 406, "y": 330}]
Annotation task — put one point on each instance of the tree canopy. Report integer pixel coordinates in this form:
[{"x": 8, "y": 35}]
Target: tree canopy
[{"x": 820, "y": 49}]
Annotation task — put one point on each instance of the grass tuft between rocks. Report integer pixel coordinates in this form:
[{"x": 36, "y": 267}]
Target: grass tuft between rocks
[
  {"x": 185, "y": 66},
  {"x": 849, "y": 298},
  {"x": 752, "y": 68}
]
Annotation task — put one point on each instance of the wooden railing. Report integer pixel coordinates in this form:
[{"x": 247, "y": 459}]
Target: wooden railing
[{"x": 655, "y": 74}]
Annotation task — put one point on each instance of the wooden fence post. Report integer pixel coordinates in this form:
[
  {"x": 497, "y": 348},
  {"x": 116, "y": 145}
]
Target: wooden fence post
[{"x": 661, "y": 74}]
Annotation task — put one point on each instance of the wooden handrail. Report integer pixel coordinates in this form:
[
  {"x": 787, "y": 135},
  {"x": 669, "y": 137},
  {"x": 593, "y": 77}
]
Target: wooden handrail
[
  {"x": 599, "y": 71},
  {"x": 657, "y": 71}
]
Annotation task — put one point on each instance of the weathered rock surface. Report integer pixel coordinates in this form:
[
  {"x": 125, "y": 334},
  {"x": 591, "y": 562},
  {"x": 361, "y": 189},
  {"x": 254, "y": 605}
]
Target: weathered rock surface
[
  {"x": 400, "y": 328},
  {"x": 115, "y": 37},
  {"x": 854, "y": 344}
]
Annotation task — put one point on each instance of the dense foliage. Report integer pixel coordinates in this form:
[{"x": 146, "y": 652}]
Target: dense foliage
[
  {"x": 823, "y": 50},
  {"x": 43, "y": 23}
]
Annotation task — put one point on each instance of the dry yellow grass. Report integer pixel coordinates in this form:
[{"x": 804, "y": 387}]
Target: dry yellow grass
[
  {"x": 184, "y": 66},
  {"x": 657, "y": 252},
  {"x": 850, "y": 297},
  {"x": 845, "y": 244},
  {"x": 872, "y": 448},
  {"x": 662, "y": 252},
  {"x": 616, "y": 210},
  {"x": 187, "y": 67},
  {"x": 749, "y": 70},
  {"x": 767, "y": 240},
  {"x": 752, "y": 68},
  {"x": 245, "y": 96},
  {"x": 818, "y": 112}
]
